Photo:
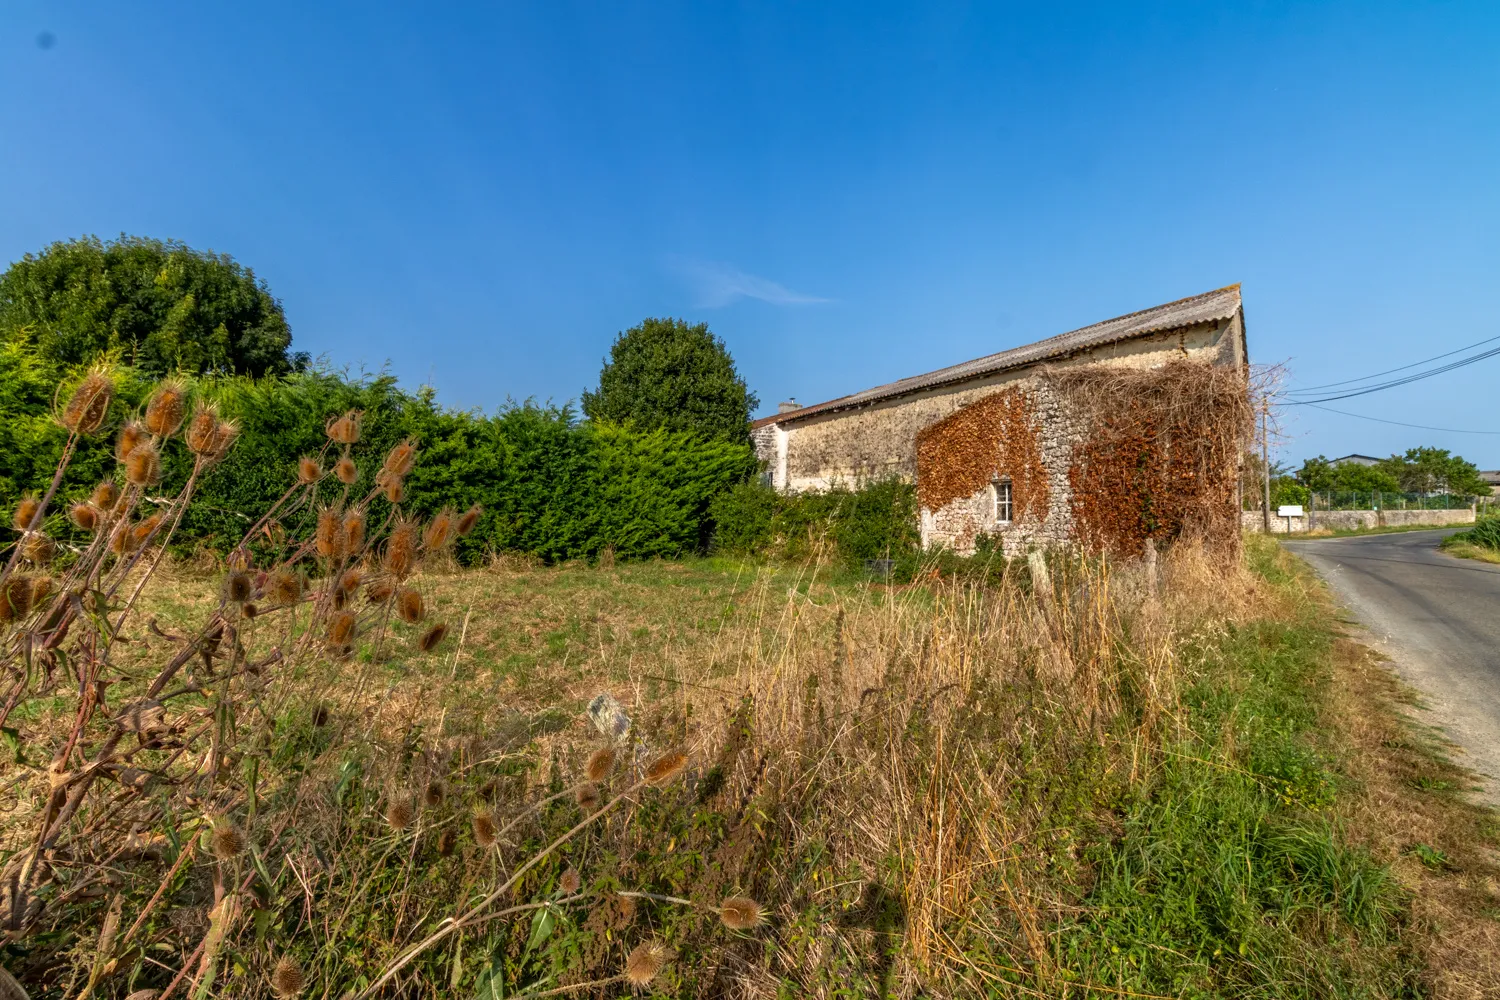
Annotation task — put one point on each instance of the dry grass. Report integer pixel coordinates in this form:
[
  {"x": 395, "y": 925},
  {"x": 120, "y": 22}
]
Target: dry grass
[{"x": 1468, "y": 550}]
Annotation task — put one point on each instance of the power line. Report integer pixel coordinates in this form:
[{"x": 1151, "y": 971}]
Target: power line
[
  {"x": 1332, "y": 385},
  {"x": 1378, "y": 420},
  {"x": 1397, "y": 382}
]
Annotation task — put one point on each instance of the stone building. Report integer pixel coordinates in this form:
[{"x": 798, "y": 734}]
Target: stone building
[{"x": 993, "y": 444}]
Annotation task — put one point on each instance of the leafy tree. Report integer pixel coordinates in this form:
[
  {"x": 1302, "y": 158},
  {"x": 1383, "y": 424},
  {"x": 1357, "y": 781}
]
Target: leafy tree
[
  {"x": 668, "y": 374},
  {"x": 1435, "y": 470},
  {"x": 1321, "y": 475},
  {"x": 164, "y": 306}
]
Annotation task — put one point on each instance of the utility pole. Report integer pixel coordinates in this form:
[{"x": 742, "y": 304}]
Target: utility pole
[{"x": 1265, "y": 461}]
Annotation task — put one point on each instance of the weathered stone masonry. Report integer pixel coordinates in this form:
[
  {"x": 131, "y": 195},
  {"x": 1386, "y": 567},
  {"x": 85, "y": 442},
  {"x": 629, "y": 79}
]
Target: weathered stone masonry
[{"x": 960, "y": 432}]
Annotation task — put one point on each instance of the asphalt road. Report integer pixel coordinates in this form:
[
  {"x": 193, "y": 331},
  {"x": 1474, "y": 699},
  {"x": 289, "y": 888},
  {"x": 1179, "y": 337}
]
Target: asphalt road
[{"x": 1438, "y": 619}]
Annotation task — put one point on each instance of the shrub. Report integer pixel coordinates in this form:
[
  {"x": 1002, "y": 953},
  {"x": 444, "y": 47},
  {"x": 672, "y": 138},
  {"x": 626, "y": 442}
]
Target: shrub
[{"x": 875, "y": 521}]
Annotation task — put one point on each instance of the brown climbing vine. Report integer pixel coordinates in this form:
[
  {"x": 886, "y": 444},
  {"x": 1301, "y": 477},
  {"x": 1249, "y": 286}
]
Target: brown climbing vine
[{"x": 999, "y": 435}]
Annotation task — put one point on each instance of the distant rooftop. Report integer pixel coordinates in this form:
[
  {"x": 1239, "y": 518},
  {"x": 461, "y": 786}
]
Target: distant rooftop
[
  {"x": 1209, "y": 307},
  {"x": 1356, "y": 460}
]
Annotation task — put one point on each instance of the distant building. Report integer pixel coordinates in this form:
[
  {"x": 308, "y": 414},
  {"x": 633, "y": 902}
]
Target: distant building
[
  {"x": 1365, "y": 460},
  {"x": 991, "y": 445},
  {"x": 1492, "y": 480}
]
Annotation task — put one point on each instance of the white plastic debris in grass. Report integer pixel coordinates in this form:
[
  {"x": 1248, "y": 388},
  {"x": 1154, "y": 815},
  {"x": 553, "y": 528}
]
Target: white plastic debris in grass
[{"x": 609, "y": 718}]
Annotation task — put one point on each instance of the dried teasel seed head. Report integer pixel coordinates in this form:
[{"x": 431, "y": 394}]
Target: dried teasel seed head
[
  {"x": 144, "y": 530},
  {"x": 400, "y": 459},
  {"x": 644, "y": 962},
  {"x": 665, "y": 768},
  {"x": 393, "y": 488},
  {"x": 587, "y": 796},
  {"x": 308, "y": 470},
  {"x": 345, "y": 429},
  {"x": 439, "y": 531},
  {"x": 489, "y": 790},
  {"x": 38, "y": 549},
  {"x": 409, "y": 606},
  {"x": 15, "y": 598},
  {"x": 104, "y": 496},
  {"x": 328, "y": 539},
  {"x": 379, "y": 591},
  {"x": 342, "y": 627},
  {"x": 84, "y": 516},
  {"x": 132, "y": 435},
  {"x": 227, "y": 839},
  {"x": 122, "y": 539},
  {"x": 249, "y": 610},
  {"x": 601, "y": 762},
  {"x": 237, "y": 586},
  {"x": 467, "y": 520},
  {"x": 287, "y": 979},
  {"x": 202, "y": 432},
  {"x": 349, "y": 581},
  {"x": 741, "y": 913},
  {"x": 143, "y": 465},
  {"x": 225, "y": 434},
  {"x": 398, "y": 812},
  {"x": 434, "y": 794},
  {"x": 26, "y": 513},
  {"x": 484, "y": 828},
  {"x": 570, "y": 882},
  {"x": 447, "y": 841},
  {"x": 283, "y": 587},
  {"x": 400, "y": 556},
  {"x": 166, "y": 409},
  {"x": 354, "y": 532},
  {"x": 41, "y": 589},
  {"x": 346, "y": 471},
  {"x": 432, "y": 638},
  {"x": 87, "y": 407}
]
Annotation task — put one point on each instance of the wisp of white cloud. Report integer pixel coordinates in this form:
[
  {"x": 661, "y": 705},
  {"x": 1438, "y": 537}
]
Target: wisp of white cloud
[{"x": 719, "y": 284}]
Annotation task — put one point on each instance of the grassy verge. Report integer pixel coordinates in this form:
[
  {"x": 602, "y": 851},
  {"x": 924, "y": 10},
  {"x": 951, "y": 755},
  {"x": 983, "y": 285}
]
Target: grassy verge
[
  {"x": 1088, "y": 786},
  {"x": 1465, "y": 549},
  {"x": 1379, "y": 530}
]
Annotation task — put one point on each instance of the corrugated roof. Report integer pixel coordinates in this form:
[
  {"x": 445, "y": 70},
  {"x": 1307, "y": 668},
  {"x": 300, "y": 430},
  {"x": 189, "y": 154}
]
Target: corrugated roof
[{"x": 1206, "y": 308}]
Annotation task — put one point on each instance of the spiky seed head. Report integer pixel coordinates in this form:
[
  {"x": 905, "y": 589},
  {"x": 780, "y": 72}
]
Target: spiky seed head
[
  {"x": 26, "y": 513},
  {"x": 328, "y": 539},
  {"x": 741, "y": 913},
  {"x": 143, "y": 530},
  {"x": 401, "y": 549},
  {"x": 489, "y": 790},
  {"x": 346, "y": 471},
  {"x": 341, "y": 628},
  {"x": 249, "y": 610},
  {"x": 283, "y": 587},
  {"x": 308, "y": 470},
  {"x": 644, "y": 962},
  {"x": 225, "y": 434},
  {"x": 87, "y": 407},
  {"x": 484, "y": 828},
  {"x": 227, "y": 839},
  {"x": 434, "y": 793},
  {"x": 354, "y": 532},
  {"x": 202, "y": 432},
  {"x": 166, "y": 409},
  {"x": 122, "y": 539},
  {"x": 398, "y": 812},
  {"x": 132, "y": 435},
  {"x": 432, "y": 638},
  {"x": 41, "y": 589},
  {"x": 350, "y": 580},
  {"x": 237, "y": 586},
  {"x": 665, "y": 768},
  {"x": 379, "y": 591},
  {"x": 38, "y": 549},
  {"x": 143, "y": 465},
  {"x": 447, "y": 841},
  {"x": 409, "y": 606},
  {"x": 104, "y": 495},
  {"x": 467, "y": 520},
  {"x": 287, "y": 979},
  {"x": 320, "y": 716},
  {"x": 439, "y": 531},
  {"x": 400, "y": 459},
  {"x": 15, "y": 597},
  {"x": 570, "y": 882},
  {"x": 84, "y": 516},
  {"x": 393, "y": 489},
  {"x": 587, "y": 795},
  {"x": 601, "y": 762},
  {"x": 345, "y": 429}
]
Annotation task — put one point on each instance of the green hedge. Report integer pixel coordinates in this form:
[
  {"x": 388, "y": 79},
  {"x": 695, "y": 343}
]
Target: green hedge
[
  {"x": 875, "y": 521},
  {"x": 549, "y": 484}
]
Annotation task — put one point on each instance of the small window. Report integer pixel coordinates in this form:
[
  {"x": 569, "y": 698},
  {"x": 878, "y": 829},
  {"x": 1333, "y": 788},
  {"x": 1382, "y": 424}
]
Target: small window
[{"x": 1000, "y": 497}]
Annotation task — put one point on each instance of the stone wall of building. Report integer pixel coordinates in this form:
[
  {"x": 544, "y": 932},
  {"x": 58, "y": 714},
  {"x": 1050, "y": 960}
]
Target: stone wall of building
[{"x": 879, "y": 441}]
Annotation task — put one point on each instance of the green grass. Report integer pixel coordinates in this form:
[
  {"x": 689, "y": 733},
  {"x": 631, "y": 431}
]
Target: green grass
[{"x": 1480, "y": 542}]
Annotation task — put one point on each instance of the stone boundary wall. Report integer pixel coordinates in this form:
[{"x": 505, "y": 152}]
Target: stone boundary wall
[{"x": 1251, "y": 520}]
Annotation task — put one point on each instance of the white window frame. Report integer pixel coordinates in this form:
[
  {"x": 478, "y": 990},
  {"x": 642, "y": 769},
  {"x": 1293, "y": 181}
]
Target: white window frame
[{"x": 1002, "y": 501}]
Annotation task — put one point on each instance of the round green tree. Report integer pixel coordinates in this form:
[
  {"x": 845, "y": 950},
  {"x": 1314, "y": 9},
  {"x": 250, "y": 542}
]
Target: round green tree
[
  {"x": 165, "y": 306},
  {"x": 668, "y": 373}
]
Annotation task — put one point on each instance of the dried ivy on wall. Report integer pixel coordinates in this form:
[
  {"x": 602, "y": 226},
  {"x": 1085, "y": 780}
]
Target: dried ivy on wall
[
  {"x": 998, "y": 435},
  {"x": 1160, "y": 454}
]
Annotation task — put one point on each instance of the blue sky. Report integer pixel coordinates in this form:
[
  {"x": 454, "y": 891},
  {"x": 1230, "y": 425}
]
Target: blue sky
[{"x": 482, "y": 195}]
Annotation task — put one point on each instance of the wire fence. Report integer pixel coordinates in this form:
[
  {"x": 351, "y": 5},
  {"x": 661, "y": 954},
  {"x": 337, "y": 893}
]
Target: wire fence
[{"x": 1365, "y": 500}]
